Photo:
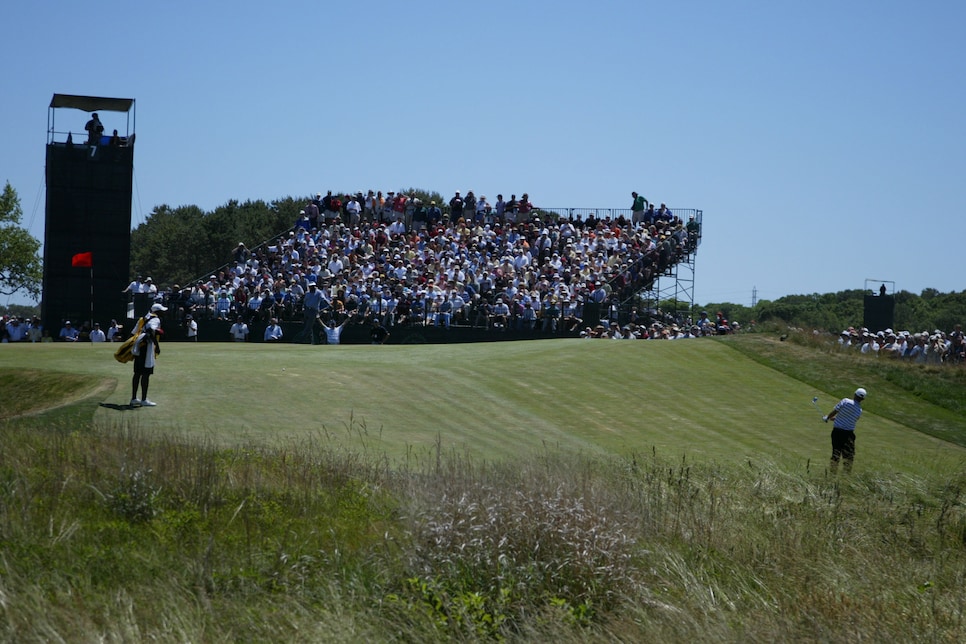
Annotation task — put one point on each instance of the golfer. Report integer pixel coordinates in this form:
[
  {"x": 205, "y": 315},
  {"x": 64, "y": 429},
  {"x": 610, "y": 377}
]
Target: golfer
[{"x": 844, "y": 417}]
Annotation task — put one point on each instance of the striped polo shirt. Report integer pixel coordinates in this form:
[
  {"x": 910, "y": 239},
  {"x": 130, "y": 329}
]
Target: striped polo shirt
[{"x": 848, "y": 414}]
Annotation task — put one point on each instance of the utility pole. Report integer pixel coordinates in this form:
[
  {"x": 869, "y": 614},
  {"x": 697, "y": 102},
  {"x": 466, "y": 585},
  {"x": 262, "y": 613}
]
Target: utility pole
[{"x": 754, "y": 296}]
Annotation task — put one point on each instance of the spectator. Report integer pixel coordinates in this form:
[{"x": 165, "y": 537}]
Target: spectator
[
  {"x": 369, "y": 207},
  {"x": 510, "y": 211},
  {"x": 378, "y": 333},
  {"x": 333, "y": 331},
  {"x": 35, "y": 330},
  {"x": 136, "y": 286},
  {"x": 569, "y": 315},
  {"x": 469, "y": 207},
  {"x": 312, "y": 212},
  {"x": 456, "y": 206},
  {"x": 239, "y": 330},
  {"x": 399, "y": 209},
  {"x": 354, "y": 211},
  {"x": 191, "y": 327},
  {"x": 414, "y": 205},
  {"x": 433, "y": 215},
  {"x": 68, "y": 333},
  {"x": 444, "y": 311},
  {"x": 501, "y": 315},
  {"x": 550, "y": 314},
  {"x": 97, "y": 335},
  {"x": 95, "y": 129},
  {"x": 524, "y": 208},
  {"x": 273, "y": 332},
  {"x": 870, "y": 344},
  {"x": 638, "y": 208},
  {"x": 528, "y": 318},
  {"x": 16, "y": 330},
  {"x": 149, "y": 287},
  {"x": 223, "y": 306}
]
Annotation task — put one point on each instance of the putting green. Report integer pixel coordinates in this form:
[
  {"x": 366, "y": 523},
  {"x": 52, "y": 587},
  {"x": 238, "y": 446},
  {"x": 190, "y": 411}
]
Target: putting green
[{"x": 694, "y": 399}]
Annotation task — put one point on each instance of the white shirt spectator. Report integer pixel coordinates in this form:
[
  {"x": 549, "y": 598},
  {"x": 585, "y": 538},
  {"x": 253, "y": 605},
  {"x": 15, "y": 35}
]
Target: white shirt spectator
[
  {"x": 239, "y": 331},
  {"x": 354, "y": 209},
  {"x": 335, "y": 265}
]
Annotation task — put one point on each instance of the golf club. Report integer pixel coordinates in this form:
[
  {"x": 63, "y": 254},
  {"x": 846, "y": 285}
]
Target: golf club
[{"x": 820, "y": 412}]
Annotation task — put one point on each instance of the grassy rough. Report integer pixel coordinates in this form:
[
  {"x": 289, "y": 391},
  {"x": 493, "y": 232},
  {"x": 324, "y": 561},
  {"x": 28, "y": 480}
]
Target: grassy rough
[{"x": 309, "y": 542}]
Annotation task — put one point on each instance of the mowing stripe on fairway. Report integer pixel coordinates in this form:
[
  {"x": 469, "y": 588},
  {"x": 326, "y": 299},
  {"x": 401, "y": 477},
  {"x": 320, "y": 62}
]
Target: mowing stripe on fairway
[{"x": 697, "y": 398}]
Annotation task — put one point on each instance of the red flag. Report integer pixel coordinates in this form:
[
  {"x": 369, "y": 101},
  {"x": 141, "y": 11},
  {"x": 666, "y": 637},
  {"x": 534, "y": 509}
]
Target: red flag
[{"x": 82, "y": 260}]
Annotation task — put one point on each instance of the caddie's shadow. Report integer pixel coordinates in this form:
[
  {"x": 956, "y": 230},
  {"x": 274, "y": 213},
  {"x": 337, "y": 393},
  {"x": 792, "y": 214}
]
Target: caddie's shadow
[{"x": 117, "y": 407}]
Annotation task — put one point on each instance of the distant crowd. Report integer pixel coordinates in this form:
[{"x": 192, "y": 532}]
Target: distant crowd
[{"x": 936, "y": 347}]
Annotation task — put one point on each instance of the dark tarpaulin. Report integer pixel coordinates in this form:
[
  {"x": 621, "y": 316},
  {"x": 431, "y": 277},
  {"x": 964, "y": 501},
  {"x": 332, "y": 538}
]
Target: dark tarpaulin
[{"x": 92, "y": 103}]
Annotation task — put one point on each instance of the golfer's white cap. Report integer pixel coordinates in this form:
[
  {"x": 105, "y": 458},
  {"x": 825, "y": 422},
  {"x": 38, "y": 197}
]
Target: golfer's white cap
[
  {"x": 860, "y": 393},
  {"x": 158, "y": 307}
]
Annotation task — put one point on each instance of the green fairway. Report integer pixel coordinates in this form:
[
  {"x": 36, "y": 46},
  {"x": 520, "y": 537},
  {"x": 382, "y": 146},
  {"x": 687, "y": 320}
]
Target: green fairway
[{"x": 695, "y": 399}]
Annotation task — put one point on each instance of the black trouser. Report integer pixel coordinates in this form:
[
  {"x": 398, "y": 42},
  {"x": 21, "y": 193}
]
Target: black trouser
[
  {"x": 843, "y": 447},
  {"x": 142, "y": 374}
]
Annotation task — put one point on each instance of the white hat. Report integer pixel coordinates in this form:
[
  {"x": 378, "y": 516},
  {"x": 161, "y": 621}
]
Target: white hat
[
  {"x": 860, "y": 393},
  {"x": 158, "y": 307}
]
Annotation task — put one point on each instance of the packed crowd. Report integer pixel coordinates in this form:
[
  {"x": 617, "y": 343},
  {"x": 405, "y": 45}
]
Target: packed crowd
[
  {"x": 937, "y": 347},
  {"x": 394, "y": 259}
]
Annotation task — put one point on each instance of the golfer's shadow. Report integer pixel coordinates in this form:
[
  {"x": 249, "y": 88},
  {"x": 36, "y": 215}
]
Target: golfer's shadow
[{"x": 117, "y": 407}]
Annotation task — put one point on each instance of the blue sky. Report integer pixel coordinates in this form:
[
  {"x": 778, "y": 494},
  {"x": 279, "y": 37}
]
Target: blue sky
[{"x": 824, "y": 140}]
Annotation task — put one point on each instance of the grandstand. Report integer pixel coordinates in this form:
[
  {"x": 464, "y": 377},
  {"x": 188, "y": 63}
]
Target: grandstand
[{"x": 439, "y": 278}]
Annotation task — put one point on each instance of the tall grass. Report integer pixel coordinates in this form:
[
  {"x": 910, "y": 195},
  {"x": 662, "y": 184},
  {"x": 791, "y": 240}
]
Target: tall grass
[{"x": 116, "y": 535}]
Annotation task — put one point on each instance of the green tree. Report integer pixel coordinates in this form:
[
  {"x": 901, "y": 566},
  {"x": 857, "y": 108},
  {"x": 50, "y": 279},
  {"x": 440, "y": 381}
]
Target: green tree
[
  {"x": 20, "y": 310},
  {"x": 178, "y": 245},
  {"x": 171, "y": 246},
  {"x": 251, "y": 222},
  {"x": 21, "y": 268}
]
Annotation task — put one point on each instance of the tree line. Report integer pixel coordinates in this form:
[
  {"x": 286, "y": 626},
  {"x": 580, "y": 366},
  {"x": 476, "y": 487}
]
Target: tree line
[{"x": 835, "y": 312}]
